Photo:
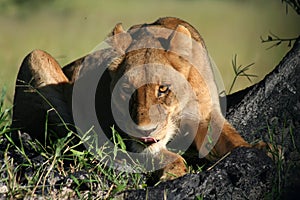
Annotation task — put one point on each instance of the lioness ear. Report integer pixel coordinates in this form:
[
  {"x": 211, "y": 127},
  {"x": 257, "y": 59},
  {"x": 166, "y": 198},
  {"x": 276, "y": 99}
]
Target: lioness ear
[
  {"x": 119, "y": 39},
  {"x": 181, "y": 41},
  {"x": 118, "y": 29}
]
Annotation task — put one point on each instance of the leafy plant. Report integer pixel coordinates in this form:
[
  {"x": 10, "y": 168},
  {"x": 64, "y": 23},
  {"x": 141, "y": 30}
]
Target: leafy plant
[
  {"x": 240, "y": 70},
  {"x": 295, "y": 4},
  {"x": 276, "y": 40}
]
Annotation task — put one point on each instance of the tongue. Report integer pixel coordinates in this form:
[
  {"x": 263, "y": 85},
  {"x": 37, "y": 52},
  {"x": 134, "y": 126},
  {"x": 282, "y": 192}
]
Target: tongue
[{"x": 148, "y": 140}]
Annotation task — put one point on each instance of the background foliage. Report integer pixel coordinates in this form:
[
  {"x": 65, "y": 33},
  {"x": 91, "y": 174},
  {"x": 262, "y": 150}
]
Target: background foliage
[{"x": 70, "y": 29}]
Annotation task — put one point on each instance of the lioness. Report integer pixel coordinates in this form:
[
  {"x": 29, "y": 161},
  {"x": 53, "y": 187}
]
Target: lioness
[{"x": 158, "y": 80}]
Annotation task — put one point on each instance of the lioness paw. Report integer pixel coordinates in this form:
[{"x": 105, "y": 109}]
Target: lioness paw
[
  {"x": 275, "y": 152},
  {"x": 174, "y": 170}
]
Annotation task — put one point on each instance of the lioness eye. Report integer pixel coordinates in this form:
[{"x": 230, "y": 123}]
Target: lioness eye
[{"x": 163, "y": 89}]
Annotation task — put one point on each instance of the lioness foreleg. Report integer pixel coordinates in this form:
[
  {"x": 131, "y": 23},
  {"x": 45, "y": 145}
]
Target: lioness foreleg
[{"x": 228, "y": 139}]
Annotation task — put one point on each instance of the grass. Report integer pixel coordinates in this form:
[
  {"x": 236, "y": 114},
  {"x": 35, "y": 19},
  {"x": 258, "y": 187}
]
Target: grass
[
  {"x": 278, "y": 134},
  {"x": 96, "y": 176},
  {"x": 240, "y": 71},
  {"x": 5, "y": 114},
  {"x": 29, "y": 170}
]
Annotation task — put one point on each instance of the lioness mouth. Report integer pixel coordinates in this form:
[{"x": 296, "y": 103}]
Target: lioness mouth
[{"x": 147, "y": 140}]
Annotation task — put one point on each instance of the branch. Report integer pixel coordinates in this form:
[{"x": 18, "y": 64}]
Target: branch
[
  {"x": 295, "y": 4},
  {"x": 274, "y": 38}
]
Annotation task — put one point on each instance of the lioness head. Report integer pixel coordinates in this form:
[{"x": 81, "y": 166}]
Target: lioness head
[{"x": 152, "y": 85}]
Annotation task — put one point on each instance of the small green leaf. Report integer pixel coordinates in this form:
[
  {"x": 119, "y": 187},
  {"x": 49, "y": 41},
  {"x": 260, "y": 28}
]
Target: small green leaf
[
  {"x": 119, "y": 188},
  {"x": 75, "y": 180},
  {"x": 77, "y": 153}
]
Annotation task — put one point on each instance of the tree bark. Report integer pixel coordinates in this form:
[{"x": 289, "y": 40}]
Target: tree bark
[{"x": 276, "y": 97}]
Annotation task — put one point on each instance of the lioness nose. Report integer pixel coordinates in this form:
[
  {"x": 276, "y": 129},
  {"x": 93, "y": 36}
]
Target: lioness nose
[
  {"x": 145, "y": 132},
  {"x": 148, "y": 132}
]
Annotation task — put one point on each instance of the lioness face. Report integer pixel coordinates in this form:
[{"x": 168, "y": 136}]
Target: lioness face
[
  {"x": 150, "y": 85},
  {"x": 144, "y": 86}
]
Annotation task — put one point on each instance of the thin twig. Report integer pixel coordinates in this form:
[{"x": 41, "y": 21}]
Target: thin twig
[
  {"x": 227, "y": 154},
  {"x": 274, "y": 38},
  {"x": 109, "y": 191}
]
